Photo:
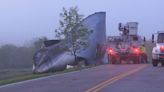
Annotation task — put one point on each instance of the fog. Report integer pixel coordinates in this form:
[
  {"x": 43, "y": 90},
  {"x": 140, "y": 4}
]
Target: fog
[{"x": 24, "y": 20}]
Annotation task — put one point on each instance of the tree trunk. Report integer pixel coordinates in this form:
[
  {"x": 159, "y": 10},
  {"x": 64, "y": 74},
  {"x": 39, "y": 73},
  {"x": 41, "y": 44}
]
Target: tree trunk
[{"x": 75, "y": 58}]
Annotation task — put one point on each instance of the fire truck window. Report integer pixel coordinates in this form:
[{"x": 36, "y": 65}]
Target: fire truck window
[{"x": 160, "y": 38}]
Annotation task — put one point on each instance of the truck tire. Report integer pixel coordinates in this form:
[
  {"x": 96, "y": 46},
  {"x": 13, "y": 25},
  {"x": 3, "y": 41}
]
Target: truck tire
[
  {"x": 154, "y": 63},
  {"x": 113, "y": 60},
  {"x": 118, "y": 60},
  {"x": 162, "y": 63},
  {"x": 134, "y": 60},
  {"x": 137, "y": 60},
  {"x": 141, "y": 59}
]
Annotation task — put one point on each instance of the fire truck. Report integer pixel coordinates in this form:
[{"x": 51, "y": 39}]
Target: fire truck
[{"x": 127, "y": 48}]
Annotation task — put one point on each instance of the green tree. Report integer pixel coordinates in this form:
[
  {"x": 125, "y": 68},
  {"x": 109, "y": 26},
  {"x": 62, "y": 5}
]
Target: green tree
[{"x": 72, "y": 32}]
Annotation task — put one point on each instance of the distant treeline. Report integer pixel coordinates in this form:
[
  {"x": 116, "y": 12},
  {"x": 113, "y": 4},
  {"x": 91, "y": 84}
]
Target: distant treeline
[{"x": 15, "y": 57}]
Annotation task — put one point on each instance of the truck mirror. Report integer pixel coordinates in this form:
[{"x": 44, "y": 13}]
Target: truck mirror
[{"x": 153, "y": 38}]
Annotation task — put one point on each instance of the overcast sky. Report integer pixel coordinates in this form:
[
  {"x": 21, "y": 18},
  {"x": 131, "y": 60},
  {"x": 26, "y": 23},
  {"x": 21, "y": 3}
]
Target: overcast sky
[{"x": 24, "y": 20}]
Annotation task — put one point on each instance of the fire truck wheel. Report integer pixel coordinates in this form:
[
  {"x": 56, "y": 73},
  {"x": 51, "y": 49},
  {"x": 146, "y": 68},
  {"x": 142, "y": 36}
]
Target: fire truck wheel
[
  {"x": 137, "y": 60},
  {"x": 118, "y": 61},
  {"x": 162, "y": 63},
  {"x": 113, "y": 60}
]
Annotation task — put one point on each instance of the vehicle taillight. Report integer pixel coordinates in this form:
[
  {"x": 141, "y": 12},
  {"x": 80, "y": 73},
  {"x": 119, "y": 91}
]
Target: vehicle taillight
[
  {"x": 162, "y": 48},
  {"x": 110, "y": 51},
  {"x": 136, "y": 50}
]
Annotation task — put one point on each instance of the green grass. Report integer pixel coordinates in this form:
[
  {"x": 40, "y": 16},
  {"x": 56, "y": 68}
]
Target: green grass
[
  {"x": 20, "y": 78},
  {"x": 12, "y": 76}
]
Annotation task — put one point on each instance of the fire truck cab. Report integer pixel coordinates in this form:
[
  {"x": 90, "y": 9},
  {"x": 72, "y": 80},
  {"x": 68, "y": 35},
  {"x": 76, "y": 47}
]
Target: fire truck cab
[{"x": 158, "y": 50}]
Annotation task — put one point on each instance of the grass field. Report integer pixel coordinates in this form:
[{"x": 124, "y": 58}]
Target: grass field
[
  {"x": 10, "y": 73},
  {"x": 8, "y": 76}
]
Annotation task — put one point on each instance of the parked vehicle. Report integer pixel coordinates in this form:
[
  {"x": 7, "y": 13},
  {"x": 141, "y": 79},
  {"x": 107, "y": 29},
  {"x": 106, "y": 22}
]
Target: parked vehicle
[
  {"x": 128, "y": 47},
  {"x": 158, "y": 50}
]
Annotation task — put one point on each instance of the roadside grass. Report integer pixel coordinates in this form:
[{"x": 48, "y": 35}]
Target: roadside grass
[{"x": 13, "y": 76}]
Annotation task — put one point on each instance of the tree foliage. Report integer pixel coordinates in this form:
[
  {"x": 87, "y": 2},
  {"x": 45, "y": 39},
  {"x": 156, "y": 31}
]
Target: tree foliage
[{"x": 72, "y": 32}]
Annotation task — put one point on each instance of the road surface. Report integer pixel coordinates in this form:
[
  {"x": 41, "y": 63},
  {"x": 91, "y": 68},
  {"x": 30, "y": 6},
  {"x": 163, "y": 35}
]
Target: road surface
[{"x": 104, "y": 78}]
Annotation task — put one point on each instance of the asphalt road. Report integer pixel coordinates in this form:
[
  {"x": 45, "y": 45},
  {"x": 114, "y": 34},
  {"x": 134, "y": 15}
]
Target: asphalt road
[{"x": 105, "y": 78}]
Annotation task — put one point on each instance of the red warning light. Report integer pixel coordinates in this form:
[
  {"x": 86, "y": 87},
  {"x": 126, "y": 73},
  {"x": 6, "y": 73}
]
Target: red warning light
[
  {"x": 136, "y": 50},
  {"x": 162, "y": 48},
  {"x": 110, "y": 51}
]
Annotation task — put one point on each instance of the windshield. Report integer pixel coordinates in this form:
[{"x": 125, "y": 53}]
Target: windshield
[{"x": 160, "y": 38}]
